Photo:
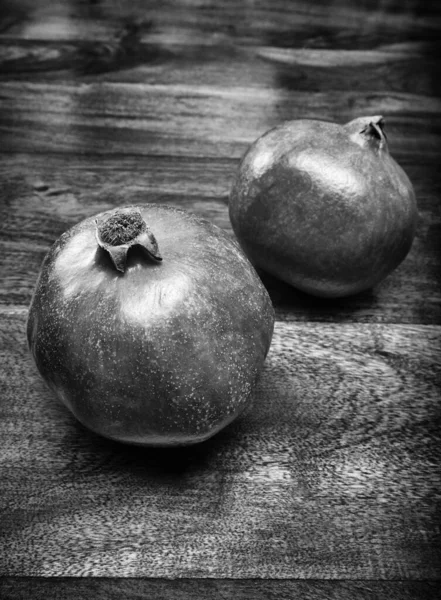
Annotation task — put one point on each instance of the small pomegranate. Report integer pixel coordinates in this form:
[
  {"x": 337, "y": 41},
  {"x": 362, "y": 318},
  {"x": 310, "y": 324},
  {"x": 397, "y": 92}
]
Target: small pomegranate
[{"x": 323, "y": 206}]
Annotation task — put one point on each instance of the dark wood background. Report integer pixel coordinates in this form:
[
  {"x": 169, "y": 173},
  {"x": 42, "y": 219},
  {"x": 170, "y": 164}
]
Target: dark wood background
[{"x": 329, "y": 487}]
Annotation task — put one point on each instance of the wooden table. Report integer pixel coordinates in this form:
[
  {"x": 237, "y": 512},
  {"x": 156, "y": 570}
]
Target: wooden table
[{"x": 329, "y": 487}]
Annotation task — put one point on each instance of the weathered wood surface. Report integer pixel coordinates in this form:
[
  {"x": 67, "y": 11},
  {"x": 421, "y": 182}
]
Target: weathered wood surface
[
  {"x": 146, "y": 119},
  {"x": 333, "y": 473},
  {"x": 13, "y": 588},
  {"x": 336, "y": 471}
]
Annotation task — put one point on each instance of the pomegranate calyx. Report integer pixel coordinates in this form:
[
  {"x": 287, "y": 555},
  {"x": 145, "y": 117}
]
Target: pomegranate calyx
[
  {"x": 122, "y": 230},
  {"x": 368, "y": 131}
]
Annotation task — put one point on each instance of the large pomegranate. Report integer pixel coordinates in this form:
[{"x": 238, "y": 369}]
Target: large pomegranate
[
  {"x": 324, "y": 207},
  {"x": 150, "y": 325}
]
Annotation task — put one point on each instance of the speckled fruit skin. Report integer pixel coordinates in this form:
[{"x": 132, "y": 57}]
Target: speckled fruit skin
[
  {"x": 164, "y": 354},
  {"x": 324, "y": 207}
]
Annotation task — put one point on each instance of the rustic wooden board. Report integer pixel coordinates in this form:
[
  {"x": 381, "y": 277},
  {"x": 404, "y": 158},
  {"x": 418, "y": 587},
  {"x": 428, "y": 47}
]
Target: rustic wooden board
[
  {"x": 230, "y": 62},
  {"x": 42, "y": 19},
  {"x": 13, "y": 588},
  {"x": 334, "y": 473},
  {"x": 183, "y": 119}
]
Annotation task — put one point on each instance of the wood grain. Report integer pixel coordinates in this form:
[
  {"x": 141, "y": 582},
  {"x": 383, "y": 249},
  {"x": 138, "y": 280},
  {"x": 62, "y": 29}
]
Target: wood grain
[
  {"x": 230, "y": 63},
  {"x": 181, "y": 120},
  {"x": 277, "y": 45},
  {"x": 287, "y": 24},
  {"x": 22, "y": 588},
  {"x": 334, "y": 473}
]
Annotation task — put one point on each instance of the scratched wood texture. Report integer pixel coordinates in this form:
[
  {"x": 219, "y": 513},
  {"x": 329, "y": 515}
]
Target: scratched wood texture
[
  {"x": 214, "y": 589},
  {"x": 334, "y": 474}
]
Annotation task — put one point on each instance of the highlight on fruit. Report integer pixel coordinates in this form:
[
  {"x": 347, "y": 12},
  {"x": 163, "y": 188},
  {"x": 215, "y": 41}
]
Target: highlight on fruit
[
  {"x": 323, "y": 206},
  {"x": 150, "y": 325}
]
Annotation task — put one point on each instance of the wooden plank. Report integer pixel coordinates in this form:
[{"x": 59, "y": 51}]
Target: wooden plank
[
  {"x": 18, "y": 588},
  {"x": 44, "y": 195},
  {"x": 334, "y": 473},
  {"x": 335, "y": 470},
  {"x": 287, "y": 23},
  {"x": 409, "y": 67},
  {"x": 182, "y": 120}
]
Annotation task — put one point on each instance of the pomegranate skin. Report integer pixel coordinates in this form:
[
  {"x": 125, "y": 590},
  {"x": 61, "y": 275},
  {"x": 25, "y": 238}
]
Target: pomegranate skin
[{"x": 323, "y": 206}]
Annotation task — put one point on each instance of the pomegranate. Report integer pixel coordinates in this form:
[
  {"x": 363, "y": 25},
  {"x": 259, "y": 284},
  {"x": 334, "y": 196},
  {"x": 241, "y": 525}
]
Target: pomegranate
[
  {"x": 150, "y": 325},
  {"x": 324, "y": 207}
]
